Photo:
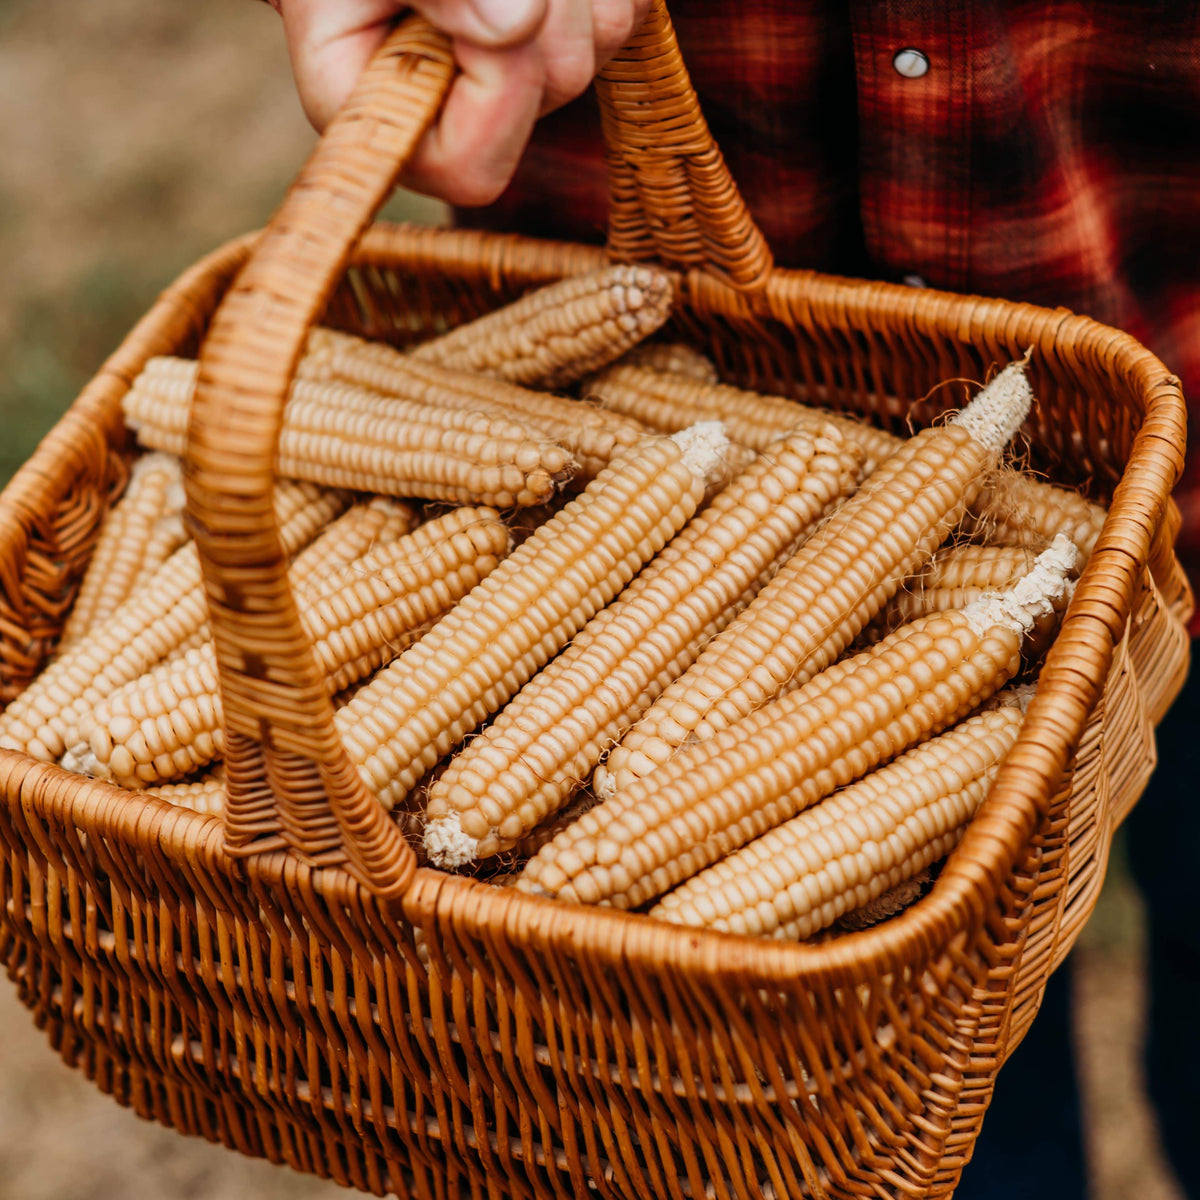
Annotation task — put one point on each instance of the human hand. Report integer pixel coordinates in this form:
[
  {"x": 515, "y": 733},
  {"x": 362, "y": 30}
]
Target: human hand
[{"x": 518, "y": 60}]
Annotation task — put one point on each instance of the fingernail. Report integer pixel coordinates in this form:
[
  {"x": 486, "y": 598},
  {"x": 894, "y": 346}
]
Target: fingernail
[{"x": 508, "y": 18}]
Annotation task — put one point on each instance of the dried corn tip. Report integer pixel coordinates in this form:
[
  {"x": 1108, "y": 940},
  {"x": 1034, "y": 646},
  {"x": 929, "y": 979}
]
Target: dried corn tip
[
  {"x": 837, "y": 582},
  {"x": 540, "y": 748},
  {"x": 344, "y": 436},
  {"x": 376, "y": 521},
  {"x": 163, "y": 613},
  {"x": 667, "y": 402},
  {"x": 591, "y": 434},
  {"x": 999, "y": 409},
  {"x": 138, "y": 535},
  {"x": 557, "y": 334},
  {"x": 1014, "y": 508},
  {"x": 716, "y": 795},
  {"x": 1037, "y": 594},
  {"x": 854, "y": 846},
  {"x": 483, "y": 651},
  {"x": 205, "y": 795},
  {"x": 168, "y": 722},
  {"x": 673, "y": 358}
]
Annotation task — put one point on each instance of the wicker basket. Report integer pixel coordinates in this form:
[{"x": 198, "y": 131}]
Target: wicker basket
[{"x": 258, "y": 982}]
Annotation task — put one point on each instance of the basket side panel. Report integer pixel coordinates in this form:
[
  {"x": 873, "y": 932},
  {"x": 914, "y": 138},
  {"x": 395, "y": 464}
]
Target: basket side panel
[{"x": 293, "y": 1027}]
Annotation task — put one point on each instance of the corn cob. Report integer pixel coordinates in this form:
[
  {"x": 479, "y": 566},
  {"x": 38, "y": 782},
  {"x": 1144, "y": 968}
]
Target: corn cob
[
  {"x": 954, "y": 577},
  {"x": 505, "y": 630},
  {"x": 205, "y": 795},
  {"x": 540, "y": 748},
  {"x": 1015, "y": 509},
  {"x": 359, "y": 616},
  {"x": 717, "y": 795},
  {"x": 672, "y": 358},
  {"x": 168, "y": 534},
  {"x": 591, "y": 434},
  {"x": 344, "y": 436},
  {"x": 667, "y": 402},
  {"x": 835, "y": 583},
  {"x": 170, "y": 608},
  {"x": 547, "y": 830},
  {"x": 1012, "y": 508},
  {"x": 553, "y": 336},
  {"x": 140, "y": 532},
  {"x": 372, "y": 522},
  {"x": 855, "y": 845},
  {"x": 167, "y": 723}
]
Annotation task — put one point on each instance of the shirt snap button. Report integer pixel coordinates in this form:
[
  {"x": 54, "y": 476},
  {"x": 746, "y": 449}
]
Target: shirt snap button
[{"x": 910, "y": 63}]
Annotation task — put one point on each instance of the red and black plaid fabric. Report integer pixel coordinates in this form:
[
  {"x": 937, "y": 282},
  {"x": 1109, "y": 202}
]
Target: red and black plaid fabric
[{"x": 1051, "y": 153}]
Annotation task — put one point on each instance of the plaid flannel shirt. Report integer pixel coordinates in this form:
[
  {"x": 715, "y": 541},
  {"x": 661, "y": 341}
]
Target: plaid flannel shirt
[{"x": 1050, "y": 152}]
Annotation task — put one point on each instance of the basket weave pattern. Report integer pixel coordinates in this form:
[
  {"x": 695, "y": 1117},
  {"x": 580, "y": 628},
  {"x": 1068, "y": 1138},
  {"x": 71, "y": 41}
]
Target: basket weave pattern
[{"x": 265, "y": 991}]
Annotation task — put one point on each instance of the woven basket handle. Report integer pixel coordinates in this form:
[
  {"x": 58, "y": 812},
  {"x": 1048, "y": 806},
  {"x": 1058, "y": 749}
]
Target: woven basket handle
[
  {"x": 671, "y": 197},
  {"x": 291, "y": 786},
  {"x": 289, "y": 782}
]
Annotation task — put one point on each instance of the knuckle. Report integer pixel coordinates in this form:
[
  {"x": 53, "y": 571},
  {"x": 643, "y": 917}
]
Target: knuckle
[
  {"x": 471, "y": 189},
  {"x": 613, "y": 23},
  {"x": 569, "y": 71}
]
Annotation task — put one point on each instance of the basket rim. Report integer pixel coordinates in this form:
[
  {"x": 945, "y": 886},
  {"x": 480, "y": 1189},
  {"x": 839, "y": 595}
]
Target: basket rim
[{"x": 975, "y": 870}]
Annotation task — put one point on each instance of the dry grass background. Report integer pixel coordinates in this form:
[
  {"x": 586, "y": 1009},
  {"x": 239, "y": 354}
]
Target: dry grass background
[{"x": 135, "y": 135}]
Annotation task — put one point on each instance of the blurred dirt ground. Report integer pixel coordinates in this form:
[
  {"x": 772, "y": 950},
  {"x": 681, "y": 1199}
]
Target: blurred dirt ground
[{"x": 136, "y": 135}]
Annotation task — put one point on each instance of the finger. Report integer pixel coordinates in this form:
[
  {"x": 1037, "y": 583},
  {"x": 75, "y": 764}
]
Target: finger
[
  {"x": 614, "y": 22},
  {"x": 329, "y": 45},
  {"x": 468, "y": 157},
  {"x": 490, "y": 23},
  {"x": 565, "y": 41}
]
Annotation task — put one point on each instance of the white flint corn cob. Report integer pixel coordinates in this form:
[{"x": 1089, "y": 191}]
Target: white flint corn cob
[
  {"x": 362, "y": 615},
  {"x": 856, "y": 844},
  {"x": 1017, "y": 509},
  {"x": 539, "y": 749},
  {"x": 167, "y": 723},
  {"x": 345, "y": 436},
  {"x": 205, "y": 795},
  {"x": 141, "y": 531},
  {"x": 591, "y": 434},
  {"x": 369, "y": 523},
  {"x": 558, "y": 333},
  {"x": 667, "y": 401},
  {"x": 1012, "y": 507},
  {"x": 482, "y": 652},
  {"x": 719, "y": 794},
  {"x": 547, "y": 830},
  {"x": 672, "y": 358},
  {"x": 954, "y": 577},
  {"x": 166, "y": 611},
  {"x": 836, "y": 583}
]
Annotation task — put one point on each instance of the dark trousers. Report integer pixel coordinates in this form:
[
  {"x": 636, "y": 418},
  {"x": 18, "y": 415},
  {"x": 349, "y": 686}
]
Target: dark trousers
[
  {"x": 1031, "y": 1146},
  {"x": 1164, "y": 855}
]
